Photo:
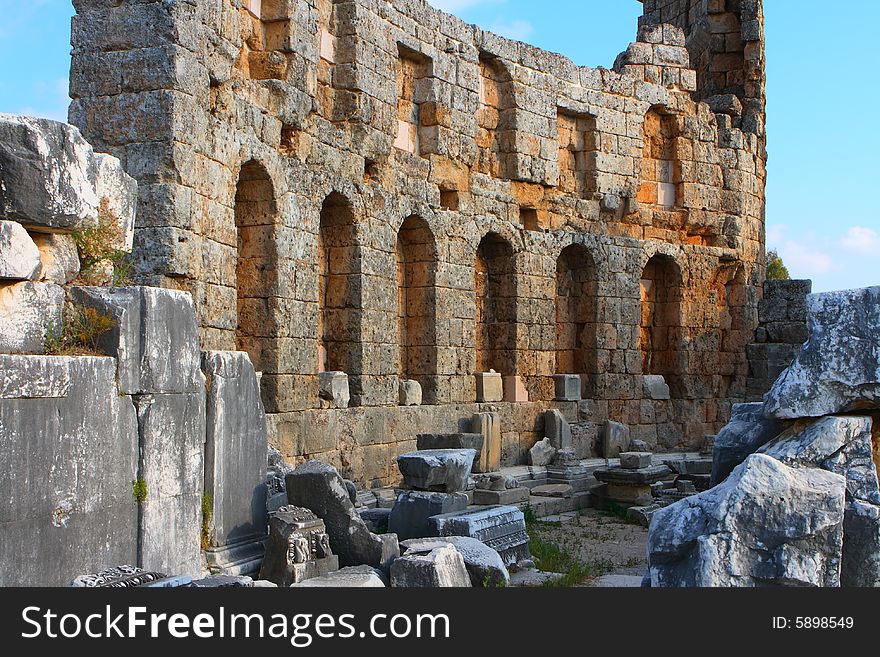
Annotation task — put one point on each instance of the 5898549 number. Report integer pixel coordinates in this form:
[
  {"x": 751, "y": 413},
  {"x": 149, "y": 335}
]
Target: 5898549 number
[{"x": 823, "y": 622}]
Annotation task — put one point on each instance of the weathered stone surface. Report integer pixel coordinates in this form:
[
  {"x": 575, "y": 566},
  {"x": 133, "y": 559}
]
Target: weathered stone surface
[
  {"x": 552, "y": 490},
  {"x": 503, "y": 528},
  {"x": 48, "y": 174},
  {"x": 747, "y": 431},
  {"x": 568, "y": 387},
  {"x": 410, "y": 393},
  {"x": 542, "y": 453},
  {"x": 334, "y": 389},
  {"x": 59, "y": 259},
  {"x": 861, "y": 545},
  {"x": 442, "y": 567},
  {"x": 155, "y": 339},
  {"x": 352, "y": 577},
  {"x": 615, "y": 439},
  {"x": 490, "y": 387},
  {"x": 838, "y": 369},
  {"x": 502, "y": 497},
  {"x": 298, "y": 548},
  {"x": 474, "y": 441},
  {"x": 489, "y": 426},
  {"x": 225, "y": 582},
  {"x": 635, "y": 460},
  {"x": 618, "y": 475},
  {"x": 27, "y": 312},
  {"x": 69, "y": 448},
  {"x": 410, "y": 514},
  {"x": 318, "y": 487},
  {"x": 377, "y": 520},
  {"x": 442, "y": 470},
  {"x": 766, "y": 524},
  {"x": 120, "y": 191},
  {"x": 171, "y": 442},
  {"x": 557, "y": 429},
  {"x": 19, "y": 256},
  {"x": 656, "y": 387},
  {"x": 484, "y": 565},
  {"x": 515, "y": 391}
]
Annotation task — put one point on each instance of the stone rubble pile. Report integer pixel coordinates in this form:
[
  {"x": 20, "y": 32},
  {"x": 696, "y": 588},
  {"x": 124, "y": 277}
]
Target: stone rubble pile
[{"x": 797, "y": 501}]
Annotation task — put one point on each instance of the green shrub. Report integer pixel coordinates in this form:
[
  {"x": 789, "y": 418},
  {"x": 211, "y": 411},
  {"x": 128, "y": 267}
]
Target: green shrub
[
  {"x": 98, "y": 250},
  {"x": 78, "y": 333},
  {"x": 139, "y": 490}
]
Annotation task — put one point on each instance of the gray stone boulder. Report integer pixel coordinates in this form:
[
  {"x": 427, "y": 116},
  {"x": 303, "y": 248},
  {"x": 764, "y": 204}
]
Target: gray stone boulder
[
  {"x": 542, "y": 453},
  {"x": 484, "y": 565},
  {"x": 441, "y": 470},
  {"x": 352, "y": 577},
  {"x": 766, "y": 524},
  {"x": 318, "y": 487},
  {"x": 48, "y": 174},
  {"x": 746, "y": 432},
  {"x": 28, "y": 311},
  {"x": 838, "y": 369},
  {"x": 442, "y": 567},
  {"x": 19, "y": 256}
]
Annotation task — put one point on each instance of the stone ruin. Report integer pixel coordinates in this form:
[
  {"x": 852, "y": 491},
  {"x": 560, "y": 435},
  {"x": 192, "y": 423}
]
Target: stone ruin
[{"x": 356, "y": 229}]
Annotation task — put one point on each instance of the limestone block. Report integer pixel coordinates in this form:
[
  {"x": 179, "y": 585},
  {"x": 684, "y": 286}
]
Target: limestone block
[
  {"x": 503, "y": 497},
  {"x": 766, "y": 524},
  {"x": 615, "y": 439},
  {"x": 542, "y": 453},
  {"x": 410, "y": 393},
  {"x": 552, "y": 490},
  {"x": 298, "y": 548},
  {"x": 352, "y": 577},
  {"x": 19, "y": 256},
  {"x": 236, "y": 445},
  {"x": 635, "y": 460},
  {"x": 490, "y": 387},
  {"x": 27, "y": 312},
  {"x": 747, "y": 430},
  {"x": 557, "y": 429},
  {"x": 48, "y": 174},
  {"x": 502, "y": 528},
  {"x": 484, "y": 565},
  {"x": 59, "y": 258},
  {"x": 318, "y": 487},
  {"x": 489, "y": 425},
  {"x": 838, "y": 369},
  {"x": 861, "y": 545},
  {"x": 120, "y": 191},
  {"x": 515, "y": 390},
  {"x": 568, "y": 387},
  {"x": 655, "y": 387},
  {"x": 409, "y": 516},
  {"x": 334, "y": 389},
  {"x": 155, "y": 340},
  {"x": 69, "y": 448},
  {"x": 171, "y": 431},
  {"x": 472, "y": 441},
  {"x": 442, "y": 567},
  {"x": 442, "y": 470}
]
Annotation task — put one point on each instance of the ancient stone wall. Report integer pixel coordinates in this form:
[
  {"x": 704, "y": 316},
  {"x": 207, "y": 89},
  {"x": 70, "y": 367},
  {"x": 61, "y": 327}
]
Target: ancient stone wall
[
  {"x": 781, "y": 332},
  {"x": 378, "y": 188}
]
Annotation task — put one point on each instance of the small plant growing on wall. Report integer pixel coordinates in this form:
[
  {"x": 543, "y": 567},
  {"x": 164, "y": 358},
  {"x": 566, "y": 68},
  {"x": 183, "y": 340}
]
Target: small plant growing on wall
[
  {"x": 78, "y": 333},
  {"x": 102, "y": 262},
  {"x": 139, "y": 490}
]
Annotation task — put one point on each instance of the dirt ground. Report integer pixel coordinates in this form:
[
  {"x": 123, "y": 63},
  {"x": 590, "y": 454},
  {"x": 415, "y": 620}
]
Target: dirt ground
[{"x": 600, "y": 538}]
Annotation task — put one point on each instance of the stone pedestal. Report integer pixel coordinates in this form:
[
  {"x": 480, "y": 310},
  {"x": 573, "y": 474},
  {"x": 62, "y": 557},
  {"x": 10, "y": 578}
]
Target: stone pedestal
[
  {"x": 298, "y": 548},
  {"x": 629, "y": 487},
  {"x": 490, "y": 387},
  {"x": 568, "y": 387}
]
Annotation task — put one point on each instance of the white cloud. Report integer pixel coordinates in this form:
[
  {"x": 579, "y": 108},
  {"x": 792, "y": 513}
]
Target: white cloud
[
  {"x": 861, "y": 240},
  {"x": 49, "y": 100},
  {"x": 805, "y": 258},
  {"x": 519, "y": 30}
]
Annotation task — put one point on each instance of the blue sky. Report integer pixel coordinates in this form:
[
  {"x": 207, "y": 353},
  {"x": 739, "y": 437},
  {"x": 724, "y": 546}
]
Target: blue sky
[{"x": 822, "y": 91}]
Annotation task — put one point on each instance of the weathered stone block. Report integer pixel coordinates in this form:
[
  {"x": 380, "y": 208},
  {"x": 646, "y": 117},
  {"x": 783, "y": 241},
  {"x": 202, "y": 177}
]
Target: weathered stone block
[
  {"x": 747, "y": 431},
  {"x": 484, "y": 565},
  {"x": 490, "y": 387},
  {"x": 515, "y": 390},
  {"x": 334, "y": 389},
  {"x": 655, "y": 387},
  {"x": 59, "y": 259},
  {"x": 70, "y": 453},
  {"x": 27, "y": 312},
  {"x": 19, "y": 256},
  {"x": 410, "y": 393},
  {"x": 120, "y": 191},
  {"x": 441, "y": 567},
  {"x": 635, "y": 460},
  {"x": 443, "y": 470},
  {"x": 615, "y": 439},
  {"x": 489, "y": 426},
  {"x": 542, "y": 453},
  {"x": 298, "y": 548},
  {"x": 472, "y": 441},
  {"x": 568, "y": 387},
  {"x": 409, "y": 516},
  {"x": 501, "y": 497},
  {"x": 352, "y": 577},
  {"x": 235, "y": 455},
  {"x": 557, "y": 429},
  {"x": 155, "y": 338},
  {"x": 502, "y": 528}
]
